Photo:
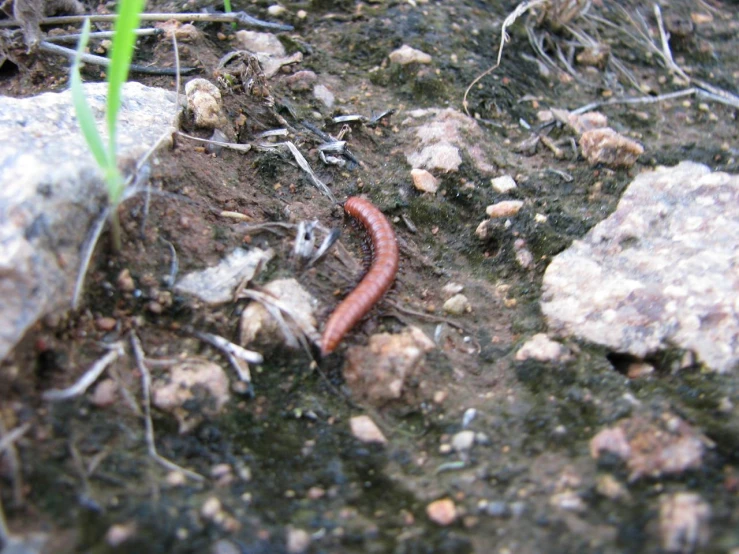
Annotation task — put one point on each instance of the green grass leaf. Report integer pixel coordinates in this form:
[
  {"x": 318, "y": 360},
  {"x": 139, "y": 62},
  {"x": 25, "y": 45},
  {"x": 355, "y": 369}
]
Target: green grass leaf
[
  {"x": 82, "y": 109},
  {"x": 129, "y": 13}
]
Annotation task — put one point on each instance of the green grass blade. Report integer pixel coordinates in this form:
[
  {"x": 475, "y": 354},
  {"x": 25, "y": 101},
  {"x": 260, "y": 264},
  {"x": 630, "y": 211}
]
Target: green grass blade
[
  {"x": 82, "y": 108},
  {"x": 129, "y": 12}
]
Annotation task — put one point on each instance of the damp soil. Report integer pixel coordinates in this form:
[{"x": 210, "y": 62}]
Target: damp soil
[{"x": 85, "y": 469}]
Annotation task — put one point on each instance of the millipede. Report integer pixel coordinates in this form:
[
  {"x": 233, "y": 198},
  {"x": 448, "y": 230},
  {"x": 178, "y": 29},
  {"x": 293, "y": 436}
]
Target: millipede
[{"x": 375, "y": 283}]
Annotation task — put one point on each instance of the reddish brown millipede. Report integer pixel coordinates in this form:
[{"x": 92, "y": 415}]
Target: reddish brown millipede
[{"x": 378, "y": 279}]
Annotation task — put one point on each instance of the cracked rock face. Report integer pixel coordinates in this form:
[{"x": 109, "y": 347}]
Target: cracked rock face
[
  {"x": 51, "y": 190},
  {"x": 662, "y": 271}
]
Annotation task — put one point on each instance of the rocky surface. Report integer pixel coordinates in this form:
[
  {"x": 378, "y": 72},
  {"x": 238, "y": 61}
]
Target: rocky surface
[
  {"x": 51, "y": 190},
  {"x": 660, "y": 272}
]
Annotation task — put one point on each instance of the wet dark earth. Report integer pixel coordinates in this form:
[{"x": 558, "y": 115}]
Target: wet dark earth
[{"x": 508, "y": 443}]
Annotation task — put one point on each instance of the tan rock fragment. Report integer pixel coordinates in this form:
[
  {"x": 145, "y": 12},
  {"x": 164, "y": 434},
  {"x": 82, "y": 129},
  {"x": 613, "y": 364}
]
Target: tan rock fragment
[
  {"x": 506, "y": 208},
  {"x": 424, "y": 181},
  {"x": 406, "y": 55},
  {"x": 204, "y": 102},
  {"x": 606, "y": 146},
  {"x": 379, "y": 370}
]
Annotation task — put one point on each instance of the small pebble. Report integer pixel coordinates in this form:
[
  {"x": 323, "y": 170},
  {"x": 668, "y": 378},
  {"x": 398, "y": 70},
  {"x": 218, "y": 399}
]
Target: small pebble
[
  {"x": 275, "y": 10},
  {"x": 506, "y": 208},
  {"x": 450, "y": 289},
  {"x": 457, "y": 305},
  {"x": 298, "y": 540},
  {"x": 125, "y": 282},
  {"x": 120, "y": 533},
  {"x": 406, "y": 55},
  {"x": 106, "y": 323},
  {"x": 463, "y": 441},
  {"x": 211, "y": 508},
  {"x": 105, "y": 393},
  {"x": 364, "y": 429},
  {"x": 442, "y": 512},
  {"x": 424, "y": 181},
  {"x": 503, "y": 184}
]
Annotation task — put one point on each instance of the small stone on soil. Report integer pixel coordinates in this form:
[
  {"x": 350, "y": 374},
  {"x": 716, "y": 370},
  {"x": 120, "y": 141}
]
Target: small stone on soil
[
  {"x": 505, "y": 208},
  {"x": 543, "y": 349},
  {"x": 463, "y": 441},
  {"x": 406, "y": 55},
  {"x": 324, "y": 95},
  {"x": 298, "y": 540},
  {"x": 607, "y": 147},
  {"x": 503, "y": 184},
  {"x": 105, "y": 393},
  {"x": 379, "y": 371},
  {"x": 120, "y": 533},
  {"x": 204, "y": 102},
  {"x": 457, "y": 305},
  {"x": 105, "y": 323},
  {"x": 424, "y": 181},
  {"x": 255, "y": 42},
  {"x": 442, "y": 512},
  {"x": 366, "y": 430},
  {"x": 125, "y": 282},
  {"x": 683, "y": 522}
]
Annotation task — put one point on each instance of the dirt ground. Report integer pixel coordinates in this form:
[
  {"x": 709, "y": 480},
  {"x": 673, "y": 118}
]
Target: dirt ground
[{"x": 281, "y": 465}]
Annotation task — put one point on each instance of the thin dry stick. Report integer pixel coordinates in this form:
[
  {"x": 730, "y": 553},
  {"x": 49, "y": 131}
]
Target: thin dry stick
[
  {"x": 88, "y": 378},
  {"x": 105, "y": 62},
  {"x": 103, "y": 34},
  {"x": 233, "y": 352},
  {"x": 230, "y": 145},
  {"x": 138, "y": 354},
  {"x": 504, "y": 38},
  {"x": 637, "y": 100},
  {"x": 233, "y": 17},
  {"x": 7, "y": 445}
]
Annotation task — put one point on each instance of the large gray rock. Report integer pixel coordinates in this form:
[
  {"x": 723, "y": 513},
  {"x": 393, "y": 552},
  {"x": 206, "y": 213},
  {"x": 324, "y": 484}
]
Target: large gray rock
[
  {"x": 51, "y": 190},
  {"x": 662, "y": 271}
]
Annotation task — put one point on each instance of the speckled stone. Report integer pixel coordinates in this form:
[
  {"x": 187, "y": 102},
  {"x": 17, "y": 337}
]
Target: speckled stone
[
  {"x": 51, "y": 190},
  {"x": 658, "y": 273}
]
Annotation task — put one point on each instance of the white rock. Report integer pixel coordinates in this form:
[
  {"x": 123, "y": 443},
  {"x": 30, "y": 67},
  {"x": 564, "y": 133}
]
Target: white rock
[
  {"x": 658, "y": 273},
  {"x": 424, "y": 181},
  {"x": 258, "y": 325},
  {"x": 324, "y": 95},
  {"x": 505, "y": 208},
  {"x": 275, "y": 10},
  {"x": 463, "y": 441},
  {"x": 457, "y": 305},
  {"x": 265, "y": 43},
  {"x": 607, "y": 147},
  {"x": 683, "y": 522},
  {"x": 406, "y": 55},
  {"x": 450, "y": 289},
  {"x": 366, "y": 430},
  {"x": 298, "y": 540},
  {"x": 503, "y": 184},
  {"x": 204, "y": 102},
  {"x": 439, "y": 139},
  {"x": 191, "y": 390},
  {"x": 543, "y": 349},
  {"x": 51, "y": 189},
  {"x": 216, "y": 285}
]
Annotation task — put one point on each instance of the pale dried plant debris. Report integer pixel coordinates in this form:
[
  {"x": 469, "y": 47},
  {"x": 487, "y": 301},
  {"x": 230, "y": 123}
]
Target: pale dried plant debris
[
  {"x": 238, "y": 356},
  {"x": 230, "y": 145},
  {"x": 99, "y": 35},
  {"x": 303, "y": 164},
  {"x": 138, "y": 354}
]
